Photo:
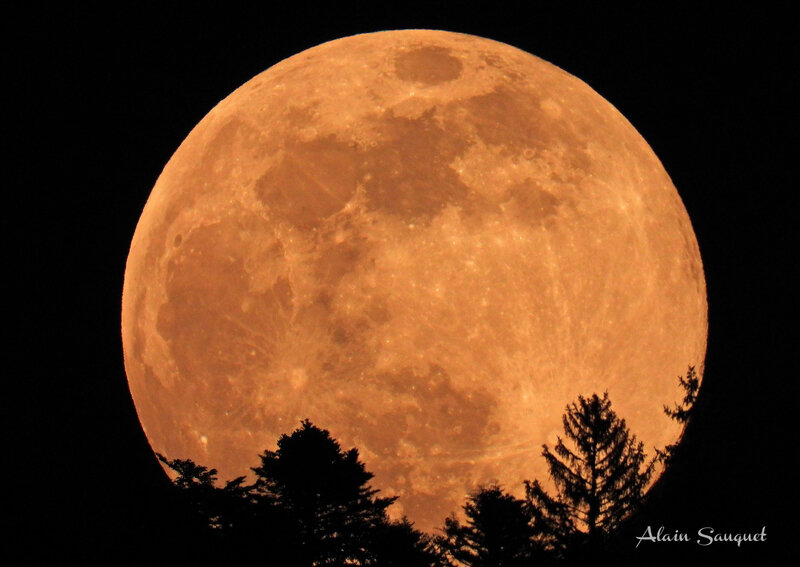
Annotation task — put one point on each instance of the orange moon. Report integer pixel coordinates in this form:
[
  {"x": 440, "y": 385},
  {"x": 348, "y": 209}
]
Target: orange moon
[{"x": 425, "y": 242}]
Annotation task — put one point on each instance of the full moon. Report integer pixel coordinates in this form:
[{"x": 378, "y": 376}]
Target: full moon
[{"x": 427, "y": 243}]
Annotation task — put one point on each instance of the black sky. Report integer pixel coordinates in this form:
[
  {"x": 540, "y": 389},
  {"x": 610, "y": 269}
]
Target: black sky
[{"x": 105, "y": 98}]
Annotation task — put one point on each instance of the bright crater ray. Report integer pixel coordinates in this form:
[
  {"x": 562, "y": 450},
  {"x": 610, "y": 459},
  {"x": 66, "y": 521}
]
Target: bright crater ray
[{"x": 427, "y": 243}]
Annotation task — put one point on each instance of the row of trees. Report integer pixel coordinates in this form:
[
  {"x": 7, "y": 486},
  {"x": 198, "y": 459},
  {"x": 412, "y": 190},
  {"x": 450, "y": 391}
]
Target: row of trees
[
  {"x": 310, "y": 504},
  {"x": 600, "y": 474},
  {"x": 312, "y": 500}
]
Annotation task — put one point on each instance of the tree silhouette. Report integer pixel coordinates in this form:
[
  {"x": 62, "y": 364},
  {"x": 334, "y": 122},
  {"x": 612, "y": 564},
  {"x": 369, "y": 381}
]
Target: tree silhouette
[
  {"x": 309, "y": 505},
  {"x": 599, "y": 481},
  {"x": 398, "y": 544},
  {"x": 497, "y": 532},
  {"x": 691, "y": 385},
  {"x": 336, "y": 515},
  {"x": 218, "y": 507},
  {"x": 681, "y": 412}
]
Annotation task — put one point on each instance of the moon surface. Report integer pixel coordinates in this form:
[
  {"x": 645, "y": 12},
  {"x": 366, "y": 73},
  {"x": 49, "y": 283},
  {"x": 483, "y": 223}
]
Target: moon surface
[{"x": 427, "y": 243}]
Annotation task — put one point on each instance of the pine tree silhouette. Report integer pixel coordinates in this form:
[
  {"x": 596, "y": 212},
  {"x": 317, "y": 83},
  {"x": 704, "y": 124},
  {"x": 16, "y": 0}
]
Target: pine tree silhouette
[
  {"x": 399, "y": 544},
  {"x": 691, "y": 386},
  {"x": 681, "y": 412},
  {"x": 497, "y": 532},
  {"x": 600, "y": 478},
  {"x": 336, "y": 515},
  {"x": 326, "y": 493}
]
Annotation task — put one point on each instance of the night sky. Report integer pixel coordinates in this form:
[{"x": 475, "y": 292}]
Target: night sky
[{"x": 107, "y": 97}]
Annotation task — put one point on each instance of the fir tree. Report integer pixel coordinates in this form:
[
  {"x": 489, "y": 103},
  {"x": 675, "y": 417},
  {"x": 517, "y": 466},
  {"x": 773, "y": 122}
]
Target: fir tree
[
  {"x": 681, "y": 412},
  {"x": 600, "y": 478},
  {"x": 332, "y": 509},
  {"x": 399, "y": 544},
  {"x": 691, "y": 385},
  {"x": 497, "y": 532}
]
